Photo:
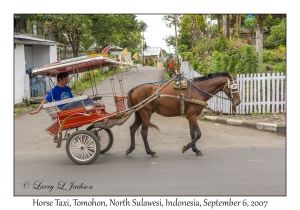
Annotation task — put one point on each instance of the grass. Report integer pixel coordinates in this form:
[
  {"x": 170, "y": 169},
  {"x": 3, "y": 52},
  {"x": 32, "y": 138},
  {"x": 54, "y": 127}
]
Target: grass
[
  {"x": 256, "y": 113},
  {"x": 84, "y": 85},
  {"x": 22, "y": 110},
  {"x": 267, "y": 113}
]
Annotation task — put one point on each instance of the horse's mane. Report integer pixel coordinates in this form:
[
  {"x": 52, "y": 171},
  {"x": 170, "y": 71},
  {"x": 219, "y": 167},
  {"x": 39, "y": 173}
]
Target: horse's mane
[{"x": 211, "y": 76}]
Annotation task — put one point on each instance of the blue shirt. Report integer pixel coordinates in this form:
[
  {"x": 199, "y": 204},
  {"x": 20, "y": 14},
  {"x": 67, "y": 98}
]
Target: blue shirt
[{"x": 59, "y": 93}]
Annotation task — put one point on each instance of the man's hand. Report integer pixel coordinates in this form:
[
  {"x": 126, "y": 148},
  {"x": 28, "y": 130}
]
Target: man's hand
[
  {"x": 40, "y": 107},
  {"x": 34, "y": 112}
]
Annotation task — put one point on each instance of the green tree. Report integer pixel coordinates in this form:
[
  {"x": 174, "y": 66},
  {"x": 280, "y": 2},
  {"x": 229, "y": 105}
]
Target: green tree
[
  {"x": 192, "y": 29},
  {"x": 271, "y": 21},
  {"x": 122, "y": 30},
  {"x": 173, "y": 20},
  {"x": 277, "y": 36},
  {"x": 249, "y": 24},
  {"x": 71, "y": 29},
  {"x": 84, "y": 30},
  {"x": 170, "y": 41}
]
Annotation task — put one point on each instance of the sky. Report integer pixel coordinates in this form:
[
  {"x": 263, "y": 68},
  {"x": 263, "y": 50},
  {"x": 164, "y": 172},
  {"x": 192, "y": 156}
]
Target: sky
[{"x": 156, "y": 31}]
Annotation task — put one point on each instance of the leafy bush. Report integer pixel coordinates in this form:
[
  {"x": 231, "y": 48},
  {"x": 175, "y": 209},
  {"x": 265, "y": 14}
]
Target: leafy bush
[
  {"x": 235, "y": 62},
  {"x": 266, "y": 55},
  {"x": 188, "y": 56},
  {"x": 217, "y": 62},
  {"x": 270, "y": 22},
  {"x": 151, "y": 62},
  {"x": 90, "y": 75},
  {"x": 280, "y": 67},
  {"x": 203, "y": 46},
  {"x": 234, "y": 59},
  {"x": 248, "y": 62},
  {"x": 276, "y": 58},
  {"x": 221, "y": 44},
  {"x": 277, "y": 36}
]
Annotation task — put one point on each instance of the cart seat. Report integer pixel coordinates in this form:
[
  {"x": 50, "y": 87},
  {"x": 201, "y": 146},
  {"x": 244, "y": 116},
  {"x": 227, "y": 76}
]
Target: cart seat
[
  {"x": 52, "y": 108},
  {"x": 65, "y": 101}
]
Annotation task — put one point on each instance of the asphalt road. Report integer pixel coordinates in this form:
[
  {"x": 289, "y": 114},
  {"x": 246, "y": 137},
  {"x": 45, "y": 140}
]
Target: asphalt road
[{"x": 237, "y": 161}]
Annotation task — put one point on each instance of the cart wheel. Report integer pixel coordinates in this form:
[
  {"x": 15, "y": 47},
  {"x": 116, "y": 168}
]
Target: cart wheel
[
  {"x": 83, "y": 147},
  {"x": 105, "y": 137}
]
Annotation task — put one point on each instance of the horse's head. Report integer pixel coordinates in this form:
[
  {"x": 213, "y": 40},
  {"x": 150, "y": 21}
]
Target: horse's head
[{"x": 231, "y": 90}]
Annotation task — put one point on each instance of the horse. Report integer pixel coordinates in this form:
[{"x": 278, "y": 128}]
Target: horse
[{"x": 168, "y": 104}]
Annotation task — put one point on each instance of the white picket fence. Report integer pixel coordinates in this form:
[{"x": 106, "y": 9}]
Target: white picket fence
[{"x": 261, "y": 93}]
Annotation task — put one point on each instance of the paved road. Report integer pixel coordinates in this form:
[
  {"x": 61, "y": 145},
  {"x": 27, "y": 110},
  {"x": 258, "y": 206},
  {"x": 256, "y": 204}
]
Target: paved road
[{"x": 236, "y": 160}]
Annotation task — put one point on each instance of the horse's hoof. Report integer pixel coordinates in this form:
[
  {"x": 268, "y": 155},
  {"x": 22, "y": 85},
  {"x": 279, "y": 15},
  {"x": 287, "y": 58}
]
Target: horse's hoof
[
  {"x": 127, "y": 152},
  {"x": 154, "y": 155},
  {"x": 183, "y": 149},
  {"x": 199, "y": 153}
]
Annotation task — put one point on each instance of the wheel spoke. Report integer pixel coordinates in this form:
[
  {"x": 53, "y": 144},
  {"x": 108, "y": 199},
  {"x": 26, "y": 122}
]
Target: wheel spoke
[
  {"x": 103, "y": 138},
  {"x": 82, "y": 147}
]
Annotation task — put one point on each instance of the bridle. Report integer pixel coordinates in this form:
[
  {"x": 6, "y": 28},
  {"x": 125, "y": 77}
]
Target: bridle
[{"x": 232, "y": 86}]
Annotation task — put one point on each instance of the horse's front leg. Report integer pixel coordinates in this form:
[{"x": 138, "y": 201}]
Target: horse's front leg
[
  {"x": 133, "y": 128},
  {"x": 195, "y": 135}
]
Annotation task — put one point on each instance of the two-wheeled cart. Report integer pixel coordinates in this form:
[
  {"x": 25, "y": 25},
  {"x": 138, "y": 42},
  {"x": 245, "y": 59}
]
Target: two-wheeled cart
[{"x": 84, "y": 146}]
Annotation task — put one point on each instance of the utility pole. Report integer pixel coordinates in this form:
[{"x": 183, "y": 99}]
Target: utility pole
[
  {"x": 176, "y": 50},
  {"x": 143, "y": 50}
]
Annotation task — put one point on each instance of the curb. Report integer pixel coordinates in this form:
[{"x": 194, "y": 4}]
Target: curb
[{"x": 277, "y": 128}]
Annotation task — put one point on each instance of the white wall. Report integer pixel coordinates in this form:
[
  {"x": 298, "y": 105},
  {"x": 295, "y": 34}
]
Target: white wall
[
  {"x": 44, "y": 54},
  {"x": 53, "y": 53},
  {"x": 119, "y": 53},
  {"x": 41, "y": 54},
  {"x": 19, "y": 72}
]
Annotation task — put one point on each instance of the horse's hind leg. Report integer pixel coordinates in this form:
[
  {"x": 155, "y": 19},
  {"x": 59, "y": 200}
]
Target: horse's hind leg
[
  {"x": 133, "y": 128},
  {"x": 144, "y": 131},
  {"x": 195, "y": 135},
  {"x": 194, "y": 148}
]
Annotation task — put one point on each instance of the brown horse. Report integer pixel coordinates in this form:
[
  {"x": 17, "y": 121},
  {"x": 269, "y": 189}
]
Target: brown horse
[{"x": 168, "y": 105}]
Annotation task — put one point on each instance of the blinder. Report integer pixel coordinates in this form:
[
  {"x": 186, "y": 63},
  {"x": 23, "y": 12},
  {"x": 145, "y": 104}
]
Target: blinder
[{"x": 232, "y": 86}]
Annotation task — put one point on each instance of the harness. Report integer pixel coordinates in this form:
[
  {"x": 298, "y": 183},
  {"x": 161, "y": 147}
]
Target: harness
[
  {"x": 182, "y": 85},
  {"x": 179, "y": 85}
]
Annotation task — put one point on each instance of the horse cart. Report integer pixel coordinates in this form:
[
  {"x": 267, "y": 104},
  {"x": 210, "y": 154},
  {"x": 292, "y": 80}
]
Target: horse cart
[
  {"x": 184, "y": 97},
  {"x": 84, "y": 146}
]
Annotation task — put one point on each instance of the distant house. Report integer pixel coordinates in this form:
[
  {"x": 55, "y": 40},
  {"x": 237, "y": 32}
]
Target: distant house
[
  {"x": 154, "y": 53},
  {"x": 30, "y": 52},
  {"x": 116, "y": 51}
]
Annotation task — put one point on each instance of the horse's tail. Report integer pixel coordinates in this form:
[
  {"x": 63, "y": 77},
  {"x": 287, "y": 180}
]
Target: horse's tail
[
  {"x": 129, "y": 102},
  {"x": 138, "y": 117}
]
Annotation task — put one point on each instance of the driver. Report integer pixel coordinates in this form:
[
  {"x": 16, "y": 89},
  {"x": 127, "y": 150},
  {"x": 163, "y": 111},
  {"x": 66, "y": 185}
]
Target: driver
[{"x": 62, "y": 91}]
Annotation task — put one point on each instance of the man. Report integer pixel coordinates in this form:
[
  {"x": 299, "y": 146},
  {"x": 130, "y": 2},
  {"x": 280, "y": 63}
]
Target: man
[{"x": 60, "y": 92}]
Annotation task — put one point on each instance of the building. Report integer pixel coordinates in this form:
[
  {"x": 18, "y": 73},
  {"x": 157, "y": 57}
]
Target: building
[
  {"x": 154, "y": 53},
  {"x": 30, "y": 52}
]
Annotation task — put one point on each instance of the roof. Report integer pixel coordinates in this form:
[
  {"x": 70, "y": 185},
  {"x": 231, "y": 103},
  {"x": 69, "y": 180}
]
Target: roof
[
  {"x": 145, "y": 54},
  {"x": 79, "y": 64},
  {"x": 153, "y": 51},
  {"x": 113, "y": 48},
  {"x": 25, "y": 39}
]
